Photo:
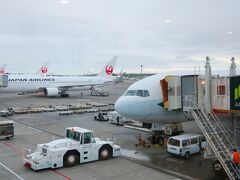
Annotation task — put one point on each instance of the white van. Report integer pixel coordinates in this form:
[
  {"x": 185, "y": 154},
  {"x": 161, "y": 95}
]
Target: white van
[{"x": 186, "y": 144}]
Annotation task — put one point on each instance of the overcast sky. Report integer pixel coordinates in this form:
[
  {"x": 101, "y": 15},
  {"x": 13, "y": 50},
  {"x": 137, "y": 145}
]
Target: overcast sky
[{"x": 81, "y": 36}]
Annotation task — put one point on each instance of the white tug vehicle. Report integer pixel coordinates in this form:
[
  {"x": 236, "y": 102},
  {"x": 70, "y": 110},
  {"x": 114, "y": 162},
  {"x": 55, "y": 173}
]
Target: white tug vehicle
[{"x": 79, "y": 146}]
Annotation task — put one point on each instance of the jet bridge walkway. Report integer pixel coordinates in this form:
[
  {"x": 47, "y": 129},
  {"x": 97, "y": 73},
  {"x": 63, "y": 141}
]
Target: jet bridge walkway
[{"x": 217, "y": 136}]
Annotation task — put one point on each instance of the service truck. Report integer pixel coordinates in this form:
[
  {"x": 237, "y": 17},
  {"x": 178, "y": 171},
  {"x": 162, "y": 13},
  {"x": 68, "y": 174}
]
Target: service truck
[
  {"x": 6, "y": 129},
  {"x": 79, "y": 146}
]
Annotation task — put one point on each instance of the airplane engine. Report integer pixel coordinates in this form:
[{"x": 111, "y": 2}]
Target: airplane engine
[{"x": 51, "y": 91}]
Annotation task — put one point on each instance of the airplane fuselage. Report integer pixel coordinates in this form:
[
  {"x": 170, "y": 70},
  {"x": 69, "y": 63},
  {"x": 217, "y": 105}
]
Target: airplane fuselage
[
  {"x": 147, "y": 107},
  {"x": 18, "y": 83}
]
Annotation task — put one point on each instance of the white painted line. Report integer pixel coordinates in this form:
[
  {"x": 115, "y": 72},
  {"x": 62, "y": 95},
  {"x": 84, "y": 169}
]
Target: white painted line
[
  {"x": 11, "y": 171},
  {"x": 28, "y": 126},
  {"x": 27, "y": 133}
]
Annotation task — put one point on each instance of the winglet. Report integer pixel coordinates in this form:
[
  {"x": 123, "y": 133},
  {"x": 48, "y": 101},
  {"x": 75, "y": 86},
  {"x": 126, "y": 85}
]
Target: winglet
[{"x": 107, "y": 70}]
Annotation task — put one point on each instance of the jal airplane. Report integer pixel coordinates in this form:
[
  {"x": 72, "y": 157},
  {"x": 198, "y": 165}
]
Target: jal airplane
[{"x": 58, "y": 85}]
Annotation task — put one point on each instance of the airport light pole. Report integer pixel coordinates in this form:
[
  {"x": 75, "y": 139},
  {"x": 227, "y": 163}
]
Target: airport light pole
[{"x": 141, "y": 70}]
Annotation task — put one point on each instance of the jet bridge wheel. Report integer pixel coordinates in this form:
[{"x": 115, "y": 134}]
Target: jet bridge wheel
[
  {"x": 105, "y": 152},
  {"x": 71, "y": 158},
  {"x": 217, "y": 166}
]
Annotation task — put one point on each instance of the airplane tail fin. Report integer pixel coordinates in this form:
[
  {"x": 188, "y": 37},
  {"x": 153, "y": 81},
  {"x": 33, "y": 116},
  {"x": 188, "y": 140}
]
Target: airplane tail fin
[
  {"x": 120, "y": 74},
  {"x": 107, "y": 70},
  {"x": 2, "y": 69},
  {"x": 3, "y": 66},
  {"x": 43, "y": 70}
]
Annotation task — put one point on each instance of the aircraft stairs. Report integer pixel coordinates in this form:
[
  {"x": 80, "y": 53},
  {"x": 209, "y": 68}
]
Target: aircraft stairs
[{"x": 217, "y": 136}]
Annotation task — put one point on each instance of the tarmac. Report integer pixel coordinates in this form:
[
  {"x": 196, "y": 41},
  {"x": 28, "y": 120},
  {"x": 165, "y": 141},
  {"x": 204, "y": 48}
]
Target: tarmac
[{"x": 136, "y": 163}]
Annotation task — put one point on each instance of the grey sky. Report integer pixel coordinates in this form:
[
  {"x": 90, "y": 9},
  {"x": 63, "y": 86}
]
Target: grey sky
[{"x": 80, "y": 37}]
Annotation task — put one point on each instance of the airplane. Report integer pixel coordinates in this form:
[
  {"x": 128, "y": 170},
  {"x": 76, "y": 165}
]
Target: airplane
[
  {"x": 55, "y": 85},
  {"x": 119, "y": 77},
  {"x": 144, "y": 101},
  {"x": 2, "y": 69}
]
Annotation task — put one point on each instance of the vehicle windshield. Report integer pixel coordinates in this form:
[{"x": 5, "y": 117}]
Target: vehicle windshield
[
  {"x": 174, "y": 142},
  {"x": 73, "y": 135}
]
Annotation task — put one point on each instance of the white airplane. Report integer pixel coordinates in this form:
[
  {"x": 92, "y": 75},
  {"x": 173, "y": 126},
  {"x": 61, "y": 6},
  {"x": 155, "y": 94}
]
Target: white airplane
[
  {"x": 55, "y": 85},
  {"x": 119, "y": 77},
  {"x": 143, "y": 102}
]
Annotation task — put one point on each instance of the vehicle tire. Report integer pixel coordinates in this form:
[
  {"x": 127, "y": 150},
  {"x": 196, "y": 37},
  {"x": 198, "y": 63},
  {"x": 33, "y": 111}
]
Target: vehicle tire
[
  {"x": 187, "y": 155},
  {"x": 160, "y": 140},
  {"x": 217, "y": 166},
  {"x": 101, "y": 118},
  {"x": 105, "y": 153},
  {"x": 201, "y": 151},
  {"x": 95, "y": 118},
  {"x": 71, "y": 159}
]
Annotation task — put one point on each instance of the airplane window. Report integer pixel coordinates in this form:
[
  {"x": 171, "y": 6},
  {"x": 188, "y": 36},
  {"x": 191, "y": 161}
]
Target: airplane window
[
  {"x": 146, "y": 93},
  {"x": 140, "y": 93},
  {"x": 131, "y": 93}
]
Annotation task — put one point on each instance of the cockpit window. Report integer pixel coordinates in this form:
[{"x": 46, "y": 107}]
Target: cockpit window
[
  {"x": 146, "y": 93},
  {"x": 141, "y": 93},
  {"x": 131, "y": 93}
]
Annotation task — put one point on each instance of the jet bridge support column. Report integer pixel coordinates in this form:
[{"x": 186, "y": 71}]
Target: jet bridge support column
[
  {"x": 208, "y": 81},
  {"x": 233, "y": 68}
]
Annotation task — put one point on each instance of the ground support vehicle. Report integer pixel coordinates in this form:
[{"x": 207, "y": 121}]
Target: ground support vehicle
[
  {"x": 186, "y": 144},
  {"x": 6, "y": 129},
  {"x": 115, "y": 118},
  {"x": 101, "y": 117},
  {"x": 94, "y": 93},
  {"x": 8, "y": 112},
  {"x": 79, "y": 146}
]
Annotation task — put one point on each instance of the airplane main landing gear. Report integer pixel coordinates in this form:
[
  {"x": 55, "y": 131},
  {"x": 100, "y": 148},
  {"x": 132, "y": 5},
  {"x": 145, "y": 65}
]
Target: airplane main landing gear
[
  {"x": 157, "y": 138},
  {"x": 64, "y": 95}
]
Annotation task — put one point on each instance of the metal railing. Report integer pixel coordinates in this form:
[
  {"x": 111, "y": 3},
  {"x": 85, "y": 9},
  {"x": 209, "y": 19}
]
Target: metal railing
[{"x": 218, "y": 137}]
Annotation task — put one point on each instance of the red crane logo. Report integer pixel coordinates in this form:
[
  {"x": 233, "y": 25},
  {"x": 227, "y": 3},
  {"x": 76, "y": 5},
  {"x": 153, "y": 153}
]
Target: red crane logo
[
  {"x": 1, "y": 71},
  {"x": 109, "y": 69},
  {"x": 44, "y": 70}
]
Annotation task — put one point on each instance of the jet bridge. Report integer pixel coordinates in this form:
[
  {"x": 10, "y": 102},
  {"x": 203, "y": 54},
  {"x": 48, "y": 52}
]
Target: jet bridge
[{"x": 4, "y": 80}]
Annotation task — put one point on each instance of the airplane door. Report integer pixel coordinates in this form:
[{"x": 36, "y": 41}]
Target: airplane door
[{"x": 189, "y": 88}]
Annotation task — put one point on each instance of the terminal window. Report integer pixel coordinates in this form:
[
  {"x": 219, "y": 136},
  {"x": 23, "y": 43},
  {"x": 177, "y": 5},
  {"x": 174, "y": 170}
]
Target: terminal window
[{"x": 221, "y": 90}]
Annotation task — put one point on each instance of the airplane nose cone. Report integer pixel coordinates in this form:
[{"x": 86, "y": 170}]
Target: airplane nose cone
[{"x": 122, "y": 106}]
